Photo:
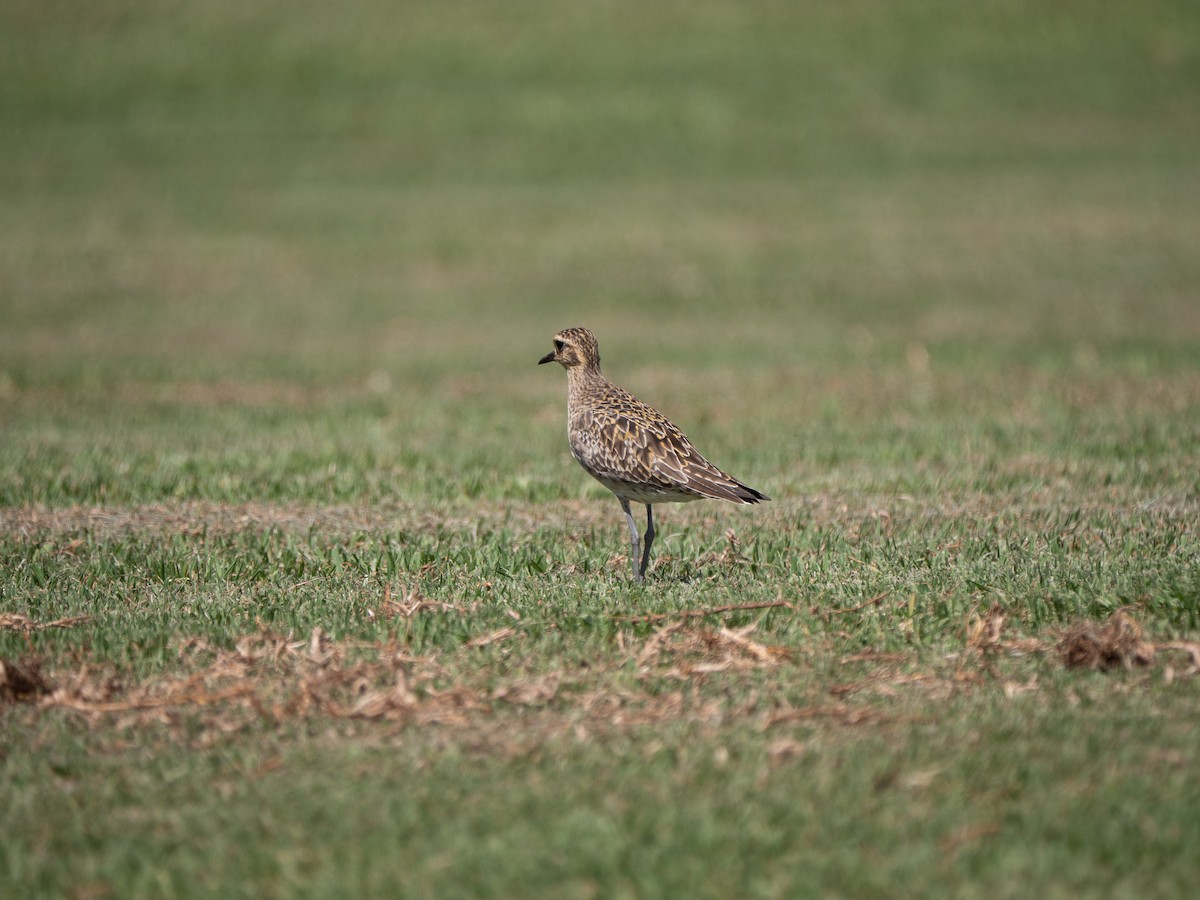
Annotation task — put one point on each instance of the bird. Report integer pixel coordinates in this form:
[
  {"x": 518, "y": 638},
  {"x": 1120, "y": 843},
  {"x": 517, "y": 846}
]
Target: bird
[{"x": 631, "y": 448}]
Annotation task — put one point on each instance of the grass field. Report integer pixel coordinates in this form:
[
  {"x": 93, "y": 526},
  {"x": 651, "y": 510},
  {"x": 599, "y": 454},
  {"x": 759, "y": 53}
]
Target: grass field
[{"x": 301, "y": 593}]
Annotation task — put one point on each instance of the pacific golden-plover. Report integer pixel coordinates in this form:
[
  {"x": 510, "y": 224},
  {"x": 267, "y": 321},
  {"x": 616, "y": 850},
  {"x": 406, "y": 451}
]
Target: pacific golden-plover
[{"x": 630, "y": 448}]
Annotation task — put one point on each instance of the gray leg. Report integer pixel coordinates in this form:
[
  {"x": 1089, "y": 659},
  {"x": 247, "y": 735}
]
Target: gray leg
[
  {"x": 633, "y": 533},
  {"x": 647, "y": 541}
]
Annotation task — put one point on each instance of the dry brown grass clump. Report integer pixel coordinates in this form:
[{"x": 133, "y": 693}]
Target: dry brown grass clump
[
  {"x": 1117, "y": 643},
  {"x": 21, "y": 681}
]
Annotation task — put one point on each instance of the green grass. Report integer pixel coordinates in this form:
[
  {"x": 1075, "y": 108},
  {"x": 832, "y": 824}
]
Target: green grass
[{"x": 339, "y": 616}]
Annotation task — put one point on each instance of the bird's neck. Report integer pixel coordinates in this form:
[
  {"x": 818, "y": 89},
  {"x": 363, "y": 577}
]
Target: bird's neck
[{"x": 582, "y": 380}]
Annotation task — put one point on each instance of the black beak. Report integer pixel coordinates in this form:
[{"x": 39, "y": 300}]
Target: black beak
[{"x": 549, "y": 357}]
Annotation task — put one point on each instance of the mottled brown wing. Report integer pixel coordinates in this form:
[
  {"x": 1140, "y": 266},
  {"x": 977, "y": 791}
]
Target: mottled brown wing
[
  {"x": 677, "y": 461},
  {"x": 624, "y": 440}
]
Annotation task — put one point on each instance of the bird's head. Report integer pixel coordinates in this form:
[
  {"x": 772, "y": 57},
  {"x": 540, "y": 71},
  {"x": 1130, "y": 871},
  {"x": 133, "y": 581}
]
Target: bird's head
[{"x": 574, "y": 347}]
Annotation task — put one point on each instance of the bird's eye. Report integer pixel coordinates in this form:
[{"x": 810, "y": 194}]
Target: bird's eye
[{"x": 558, "y": 345}]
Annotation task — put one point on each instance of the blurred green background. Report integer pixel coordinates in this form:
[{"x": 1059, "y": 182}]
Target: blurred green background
[
  {"x": 229, "y": 190},
  {"x": 217, "y": 219}
]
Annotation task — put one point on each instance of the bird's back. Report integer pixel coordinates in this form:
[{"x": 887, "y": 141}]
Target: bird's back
[{"x": 637, "y": 452}]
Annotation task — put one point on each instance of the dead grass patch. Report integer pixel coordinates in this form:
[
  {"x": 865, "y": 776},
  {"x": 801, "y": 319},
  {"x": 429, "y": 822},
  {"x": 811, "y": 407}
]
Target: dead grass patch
[
  {"x": 682, "y": 652},
  {"x": 189, "y": 518},
  {"x": 18, "y": 622},
  {"x": 702, "y": 613},
  {"x": 986, "y": 639},
  {"x": 22, "y": 682},
  {"x": 272, "y": 680},
  {"x": 1117, "y": 643},
  {"x": 275, "y": 679},
  {"x": 331, "y": 520}
]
